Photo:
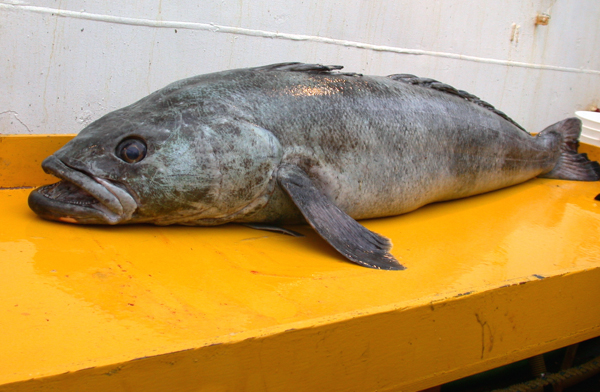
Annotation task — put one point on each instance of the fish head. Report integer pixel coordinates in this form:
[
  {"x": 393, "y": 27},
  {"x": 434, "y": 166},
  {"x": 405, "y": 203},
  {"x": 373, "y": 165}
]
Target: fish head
[{"x": 137, "y": 165}]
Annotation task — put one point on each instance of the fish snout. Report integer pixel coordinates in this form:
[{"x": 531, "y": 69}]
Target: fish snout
[{"x": 80, "y": 197}]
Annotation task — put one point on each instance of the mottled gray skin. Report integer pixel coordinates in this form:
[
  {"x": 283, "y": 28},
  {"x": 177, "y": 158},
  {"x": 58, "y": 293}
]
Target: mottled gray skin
[{"x": 374, "y": 146}]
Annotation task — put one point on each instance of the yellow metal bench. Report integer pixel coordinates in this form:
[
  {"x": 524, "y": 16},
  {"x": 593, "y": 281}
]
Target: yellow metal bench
[{"x": 491, "y": 280}]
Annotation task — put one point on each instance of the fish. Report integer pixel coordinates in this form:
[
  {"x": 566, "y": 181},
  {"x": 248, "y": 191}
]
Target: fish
[{"x": 292, "y": 142}]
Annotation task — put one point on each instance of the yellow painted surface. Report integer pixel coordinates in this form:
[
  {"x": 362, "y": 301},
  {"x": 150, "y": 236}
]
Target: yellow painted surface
[
  {"x": 491, "y": 279},
  {"x": 22, "y": 155}
]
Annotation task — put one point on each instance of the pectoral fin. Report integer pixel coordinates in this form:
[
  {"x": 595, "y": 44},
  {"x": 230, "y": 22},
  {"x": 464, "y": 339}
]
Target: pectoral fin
[{"x": 347, "y": 236}]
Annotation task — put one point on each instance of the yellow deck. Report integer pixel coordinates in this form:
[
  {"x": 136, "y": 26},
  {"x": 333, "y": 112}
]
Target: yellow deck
[{"x": 491, "y": 279}]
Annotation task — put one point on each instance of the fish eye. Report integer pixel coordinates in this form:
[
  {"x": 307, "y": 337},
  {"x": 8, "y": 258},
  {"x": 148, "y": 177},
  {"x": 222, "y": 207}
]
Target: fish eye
[{"x": 132, "y": 150}]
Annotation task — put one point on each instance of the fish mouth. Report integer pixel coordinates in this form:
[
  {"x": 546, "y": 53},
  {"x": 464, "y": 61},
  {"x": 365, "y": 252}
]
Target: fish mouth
[{"x": 80, "y": 197}]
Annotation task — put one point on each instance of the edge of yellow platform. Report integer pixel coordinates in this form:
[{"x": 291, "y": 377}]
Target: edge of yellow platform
[
  {"x": 21, "y": 157},
  {"x": 384, "y": 349}
]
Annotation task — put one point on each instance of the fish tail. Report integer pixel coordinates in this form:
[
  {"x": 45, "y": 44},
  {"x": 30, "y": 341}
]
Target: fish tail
[{"x": 570, "y": 165}]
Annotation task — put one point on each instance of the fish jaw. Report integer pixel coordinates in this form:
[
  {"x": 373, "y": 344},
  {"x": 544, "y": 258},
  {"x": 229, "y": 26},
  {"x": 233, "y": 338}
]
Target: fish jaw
[{"x": 80, "y": 197}]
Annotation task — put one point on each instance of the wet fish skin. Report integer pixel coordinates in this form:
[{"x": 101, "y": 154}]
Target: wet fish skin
[{"x": 233, "y": 147}]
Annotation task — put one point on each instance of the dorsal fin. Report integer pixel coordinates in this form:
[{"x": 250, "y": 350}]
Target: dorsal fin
[
  {"x": 300, "y": 67},
  {"x": 439, "y": 86}
]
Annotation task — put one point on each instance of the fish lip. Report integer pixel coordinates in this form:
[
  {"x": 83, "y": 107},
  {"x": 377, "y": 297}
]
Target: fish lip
[{"x": 114, "y": 204}]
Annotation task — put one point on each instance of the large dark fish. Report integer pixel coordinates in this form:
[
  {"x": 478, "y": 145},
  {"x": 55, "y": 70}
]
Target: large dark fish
[{"x": 284, "y": 142}]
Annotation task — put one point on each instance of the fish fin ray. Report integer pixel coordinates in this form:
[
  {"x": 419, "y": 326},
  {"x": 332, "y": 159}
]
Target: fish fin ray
[
  {"x": 273, "y": 228},
  {"x": 446, "y": 88},
  {"x": 299, "y": 67},
  {"x": 347, "y": 236},
  {"x": 571, "y": 165}
]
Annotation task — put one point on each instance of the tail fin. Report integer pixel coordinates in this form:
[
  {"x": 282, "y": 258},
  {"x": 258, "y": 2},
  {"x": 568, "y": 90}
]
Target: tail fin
[{"x": 571, "y": 165}]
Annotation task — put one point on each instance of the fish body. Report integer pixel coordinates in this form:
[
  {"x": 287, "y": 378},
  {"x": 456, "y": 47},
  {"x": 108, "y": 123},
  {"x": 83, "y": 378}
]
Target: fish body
[{"x": 291, "y": 142}]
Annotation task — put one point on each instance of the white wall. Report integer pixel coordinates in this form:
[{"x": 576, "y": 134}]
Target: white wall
[{"x": 64, "y": 63}]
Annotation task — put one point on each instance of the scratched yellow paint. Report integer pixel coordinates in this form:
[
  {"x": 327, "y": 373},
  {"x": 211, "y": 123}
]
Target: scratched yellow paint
[{"x": 490, "y": 280}]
